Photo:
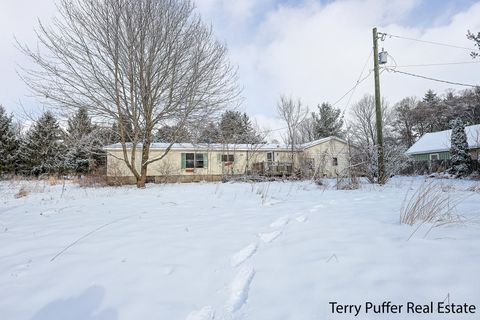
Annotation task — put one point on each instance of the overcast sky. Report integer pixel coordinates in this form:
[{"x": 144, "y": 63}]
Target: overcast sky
[{"x": 313, "y": 50}]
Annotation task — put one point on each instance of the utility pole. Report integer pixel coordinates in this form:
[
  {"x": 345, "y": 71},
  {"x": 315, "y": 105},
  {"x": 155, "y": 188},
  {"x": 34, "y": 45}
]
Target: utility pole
[{"x": 378, "y": 110}]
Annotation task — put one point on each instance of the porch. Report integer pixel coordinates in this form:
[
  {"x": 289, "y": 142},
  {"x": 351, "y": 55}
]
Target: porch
[{"x": 273, "y": 168}]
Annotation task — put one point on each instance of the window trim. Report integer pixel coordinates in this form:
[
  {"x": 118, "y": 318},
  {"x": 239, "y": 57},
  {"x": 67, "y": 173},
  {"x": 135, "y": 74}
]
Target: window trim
[{"x": 434, "y": 154}]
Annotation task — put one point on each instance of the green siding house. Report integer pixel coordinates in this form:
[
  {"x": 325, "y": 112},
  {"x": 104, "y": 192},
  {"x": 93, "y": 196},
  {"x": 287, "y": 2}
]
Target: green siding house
[{"x": 436, "y": 145}]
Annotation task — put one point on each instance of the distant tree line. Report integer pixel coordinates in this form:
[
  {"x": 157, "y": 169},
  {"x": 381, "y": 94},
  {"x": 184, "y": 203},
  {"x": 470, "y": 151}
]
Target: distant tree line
[
  {"x": 403, "y": 124},
  {"x": 407, "y": 121},
  {"x": 47, "y": 148},
  {"x": 231, "y": 127}
]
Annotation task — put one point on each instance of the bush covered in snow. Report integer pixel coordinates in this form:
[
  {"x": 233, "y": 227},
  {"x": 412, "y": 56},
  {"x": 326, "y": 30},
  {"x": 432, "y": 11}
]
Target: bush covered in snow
[{"x": 459, "y": 156}]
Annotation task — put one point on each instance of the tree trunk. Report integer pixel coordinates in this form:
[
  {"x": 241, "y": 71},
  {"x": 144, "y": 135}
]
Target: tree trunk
[{"x": 142, "y": 180}]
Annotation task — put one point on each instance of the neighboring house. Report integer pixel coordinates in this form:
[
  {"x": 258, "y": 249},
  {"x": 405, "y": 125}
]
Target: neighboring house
[
  {"x": 186, "y": 162},
  {"x": 436, "y": 145}
]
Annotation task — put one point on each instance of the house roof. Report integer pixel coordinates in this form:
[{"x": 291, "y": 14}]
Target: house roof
[
  {"x": 320, "y": 141},
  {"x": 220, "y": 147},
  {"x": 440, "y": 141}
]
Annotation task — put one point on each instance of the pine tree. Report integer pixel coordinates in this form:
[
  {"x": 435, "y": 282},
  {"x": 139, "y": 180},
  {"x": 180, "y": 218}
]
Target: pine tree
[
  {"x": 475, "y": 37},
  {"x": 8, "y": 144},
  {"x": 459, "y": 155},
  {"x": 80, "y": 125},
  {"x": 83, "y": 143},
  {"x": 210, "y": 133},
  {"x": 173, "y": 134},
  {"x": 328, "y": 122},
  {"x": 42, "y": 150},
  {"x": 236, "y": 127}
]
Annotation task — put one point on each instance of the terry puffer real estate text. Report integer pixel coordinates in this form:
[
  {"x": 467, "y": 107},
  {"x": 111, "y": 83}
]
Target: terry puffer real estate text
[{"x": 388, "y": 307}]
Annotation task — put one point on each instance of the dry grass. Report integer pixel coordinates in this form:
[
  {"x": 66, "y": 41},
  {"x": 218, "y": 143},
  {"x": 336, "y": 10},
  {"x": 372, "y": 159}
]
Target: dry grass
[
  {"x": 430, "y": 203},
  {"x": 27, "y": 187},
  {"x": 22, "y": 192},
  {"x": 91, "y": 180},
  {"x": 474, "y": 188}
]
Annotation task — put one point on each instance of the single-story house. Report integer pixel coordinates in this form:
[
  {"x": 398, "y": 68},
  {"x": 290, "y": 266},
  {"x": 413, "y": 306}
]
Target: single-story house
[
  {"x": 186, "y": 162},
  {"x": 436, "y": 145}
]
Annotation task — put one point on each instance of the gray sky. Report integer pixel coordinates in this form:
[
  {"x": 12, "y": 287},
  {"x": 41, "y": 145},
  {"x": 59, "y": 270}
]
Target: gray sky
[{"x": 313, "y": 50}]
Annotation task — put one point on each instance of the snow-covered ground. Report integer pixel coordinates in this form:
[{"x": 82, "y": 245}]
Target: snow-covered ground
[{"x": 264, "y": 251}]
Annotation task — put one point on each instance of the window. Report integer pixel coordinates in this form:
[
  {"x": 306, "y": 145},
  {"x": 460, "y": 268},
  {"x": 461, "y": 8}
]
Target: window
[
  {"x": 335, "y": 162},
  {"x": 270, "y": 156},
  {"x": 228, "y": 158},
  {"x": 190, "y": 157},
  {"x": 434, "y": 156},
  {"x": 199, "y": 163},
  {"x": 194, "y": 160}
]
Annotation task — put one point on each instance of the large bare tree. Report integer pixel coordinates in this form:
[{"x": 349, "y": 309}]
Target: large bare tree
[
  {"x": 143, "y": 64},
  {"x": 293, "y": 113}
]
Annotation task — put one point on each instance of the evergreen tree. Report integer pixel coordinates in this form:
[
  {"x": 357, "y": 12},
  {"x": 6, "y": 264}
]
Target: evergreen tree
[
  {"x": 173, "y": 134},
  {"x": 80, "y": 125},
  {"x": 42, "y": 150},
  {"x": 236, "y": 127},
  {"x": 209, "y": 134},
  {"x": 328, "y": 122},
  {"x": 127, "y": 127},
  {"x": 84, "y": 143},
  {"x": 459, "y": 155},
  {"x": 475, "y": 37},
  {"x": 430, "y": 97},
  {"x": 8, "y": 144}
]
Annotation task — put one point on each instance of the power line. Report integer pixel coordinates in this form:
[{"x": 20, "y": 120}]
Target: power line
[
  {"x": 434, "y": 64},
  {"x": 358, "y": 81},
  {"x": 430, "y": 42},
  {"x": 429, "y": 78},
  {"x": 351, "y": 90}
]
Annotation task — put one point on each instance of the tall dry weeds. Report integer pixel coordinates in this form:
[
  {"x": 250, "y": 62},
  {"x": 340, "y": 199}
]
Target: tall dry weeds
[{"x": 430, "y": 203}]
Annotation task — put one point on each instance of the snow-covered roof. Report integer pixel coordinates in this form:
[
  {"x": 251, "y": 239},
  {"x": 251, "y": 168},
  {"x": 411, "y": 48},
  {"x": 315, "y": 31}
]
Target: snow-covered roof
[
  {"x": 320, "y": 141},
  {"x": 205, "y": 146},
  {"x": 219, "y": 146},
  {"x": 440, "y": 141}
]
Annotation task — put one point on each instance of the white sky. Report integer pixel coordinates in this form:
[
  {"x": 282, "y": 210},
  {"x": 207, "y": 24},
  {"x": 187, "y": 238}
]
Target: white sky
[{"x": 313, "y": 50}]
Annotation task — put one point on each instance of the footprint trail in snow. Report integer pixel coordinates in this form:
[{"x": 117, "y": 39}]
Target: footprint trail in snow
[
  {"x": 239, "y": 289},
  {"x": 242, "y": 255},
  {"x": 206, "y": 313},
  {"x": 280, "y": 222},
  {"x": 270, "y": 236}
]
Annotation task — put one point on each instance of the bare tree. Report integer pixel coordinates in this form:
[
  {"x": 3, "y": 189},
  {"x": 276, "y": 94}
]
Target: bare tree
[
  {"x": 362, "y": 133},
  {"x": 143, "y": 64},
  {"x": 404, "y": 120},
  {"x": 307, "y": 130},
  {"x": 293, "y": 113}
]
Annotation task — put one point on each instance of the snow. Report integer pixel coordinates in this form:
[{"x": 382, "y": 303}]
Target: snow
[
  {"x": 223, "y": 147},
  {"x": 242, "y": 255},
  {"x": 228, "y": 251},
  {"x": 239, "y": 289},
  {"x": 441, "y": 141},
  {"x": 206, "y": 313},
  {"x": 270, "y": 236},
  {"x": 280, "y": 222}
]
